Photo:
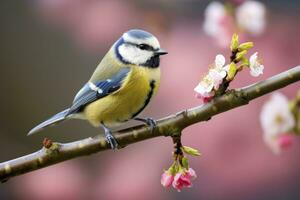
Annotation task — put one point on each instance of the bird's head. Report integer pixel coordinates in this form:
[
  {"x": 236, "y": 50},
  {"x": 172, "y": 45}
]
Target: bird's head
[{"x": 139, "y": 47}]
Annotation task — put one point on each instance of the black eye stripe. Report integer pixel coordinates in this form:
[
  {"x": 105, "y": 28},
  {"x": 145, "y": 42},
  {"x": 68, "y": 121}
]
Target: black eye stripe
[
  {"x": 145, "y": 47},
  {"x": 142, "y": 46}
]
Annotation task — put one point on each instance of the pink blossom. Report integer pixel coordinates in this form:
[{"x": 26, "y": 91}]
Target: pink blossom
[
  {"x": 285, "y": 141},
  {"x": 166, "y": 179},
  {"x": 204, "y": 89},
  {"x": 183, "y": 179},
  {"x": 204, "y": 99},
  {"x": 191, "y": 173},
  {"x": 282, "y": 141},
  {"x": 180, "y": 181}
]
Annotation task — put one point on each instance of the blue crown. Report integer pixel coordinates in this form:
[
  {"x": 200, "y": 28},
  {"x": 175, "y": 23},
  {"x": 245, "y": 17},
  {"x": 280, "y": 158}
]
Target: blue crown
[{"x": 139, "y": 34}]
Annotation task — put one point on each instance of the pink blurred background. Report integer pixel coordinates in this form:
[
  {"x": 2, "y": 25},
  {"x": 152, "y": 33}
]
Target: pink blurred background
[{"x": 48, "y": 50}]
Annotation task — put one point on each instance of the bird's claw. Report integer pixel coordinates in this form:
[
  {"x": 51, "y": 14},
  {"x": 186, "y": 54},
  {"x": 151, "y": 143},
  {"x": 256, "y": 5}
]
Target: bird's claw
[
  {"x": 112, "y": 141},
  {"x": 149, "y": 121},
  {"x": 110, "y": 138}
]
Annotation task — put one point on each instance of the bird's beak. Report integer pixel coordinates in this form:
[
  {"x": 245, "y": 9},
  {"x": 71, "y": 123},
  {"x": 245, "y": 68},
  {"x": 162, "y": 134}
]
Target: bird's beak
[{"x": 160, "y": 52}]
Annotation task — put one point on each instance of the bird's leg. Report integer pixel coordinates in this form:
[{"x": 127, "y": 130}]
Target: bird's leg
[
  {"x": 149, "y": 121},
  {"x": 110, "y": 138}
]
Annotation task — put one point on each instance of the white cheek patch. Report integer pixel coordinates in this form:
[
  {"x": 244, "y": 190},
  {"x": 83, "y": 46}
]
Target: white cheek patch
[{"x": 134, "y": 55}]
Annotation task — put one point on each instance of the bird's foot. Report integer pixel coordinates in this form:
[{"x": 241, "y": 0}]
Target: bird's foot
[
  {"x": 112, "y": 141},
  {"x": 149, "y": 121},
  {"x": 110, "y": 138}
]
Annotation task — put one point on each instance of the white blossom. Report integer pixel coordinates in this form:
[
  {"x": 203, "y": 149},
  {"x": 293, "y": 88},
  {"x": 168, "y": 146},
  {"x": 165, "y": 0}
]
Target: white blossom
[
  {"x": 204, "y": 89},
  {"x": 219, "y": 61},
  {"x": 251, "y": 17},
  {"x": 276, "y": 116},
  {"x": 276, "y": 120},
  {"x": 213, "y": 16},
  {"x": 205, "y": 86},
  {"x": 218, "y": 72},
  {"x": 211, "y": 82},
  {"x": 256, "y": 68}
]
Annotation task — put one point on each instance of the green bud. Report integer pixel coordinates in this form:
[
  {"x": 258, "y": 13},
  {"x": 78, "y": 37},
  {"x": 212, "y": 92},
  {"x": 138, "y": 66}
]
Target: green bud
[
  {"x": 245, "y": 46},
  {"x": 173, "y": 169},
  {"x": 231, "y": 72},
  {"x": 234, "y": 42},
  {"x": 240, "y": 55},
  {"x": 191, "y": 151},
  {"x": 185, "y": 162},
  {"x": 245, "y": 62}
]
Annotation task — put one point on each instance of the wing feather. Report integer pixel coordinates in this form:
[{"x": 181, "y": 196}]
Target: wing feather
[{"x": 94, "y": 91}]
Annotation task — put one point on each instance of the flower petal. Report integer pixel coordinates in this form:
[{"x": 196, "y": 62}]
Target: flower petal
[
  {"x": 191, "y": 173},
  {"x": 253, "y": 59},
  {"x": 219, "y": 61},
  {"x": 256, "y": 70},
  {"x": 199, "y": 89},
  {"x": 166, "y": 179},
  {"x": 285, "y": 141}
]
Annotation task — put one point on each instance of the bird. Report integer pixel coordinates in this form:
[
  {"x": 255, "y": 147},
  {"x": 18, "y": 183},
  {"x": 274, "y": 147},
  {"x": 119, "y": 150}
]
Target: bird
[{"x": 122, "y": 85}]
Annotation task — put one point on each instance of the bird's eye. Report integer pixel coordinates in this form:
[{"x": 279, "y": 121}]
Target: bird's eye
[{"x": 144, "y": 47}]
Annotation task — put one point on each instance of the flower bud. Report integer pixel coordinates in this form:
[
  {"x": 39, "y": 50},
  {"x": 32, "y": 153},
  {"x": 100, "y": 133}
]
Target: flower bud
[
  {"x": 245, "y": 46},
  {"x": 166, "y": 179},
  {"x": 240, "y": 55},
  {"x": 191, "y": 151},
  {"x": 231, "y": 72},
  {"x": 234, "y": 42},
  {"x": 185, "y": 162}
]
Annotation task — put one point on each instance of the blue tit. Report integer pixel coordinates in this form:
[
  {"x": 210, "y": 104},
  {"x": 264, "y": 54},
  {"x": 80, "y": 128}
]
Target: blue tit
[{"x": 122, "y": 85}]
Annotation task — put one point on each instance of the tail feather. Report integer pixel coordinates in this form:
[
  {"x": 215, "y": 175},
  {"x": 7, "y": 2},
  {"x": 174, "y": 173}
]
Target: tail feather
[{"x": 59, "y": 117}]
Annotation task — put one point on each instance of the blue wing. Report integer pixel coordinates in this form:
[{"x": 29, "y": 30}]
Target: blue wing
[{"x": 94, "y": 91}]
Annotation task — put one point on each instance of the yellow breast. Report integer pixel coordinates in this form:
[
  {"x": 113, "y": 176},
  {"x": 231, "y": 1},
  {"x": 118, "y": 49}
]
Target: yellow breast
[{"x": 137, "y": 89}]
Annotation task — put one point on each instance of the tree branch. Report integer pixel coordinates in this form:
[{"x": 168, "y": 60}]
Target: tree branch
[{"x": 169, "y": 126}]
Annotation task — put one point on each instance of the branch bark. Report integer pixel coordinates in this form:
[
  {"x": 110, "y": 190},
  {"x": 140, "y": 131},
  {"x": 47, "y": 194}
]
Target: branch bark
[{"x": 169, "y": 126}]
